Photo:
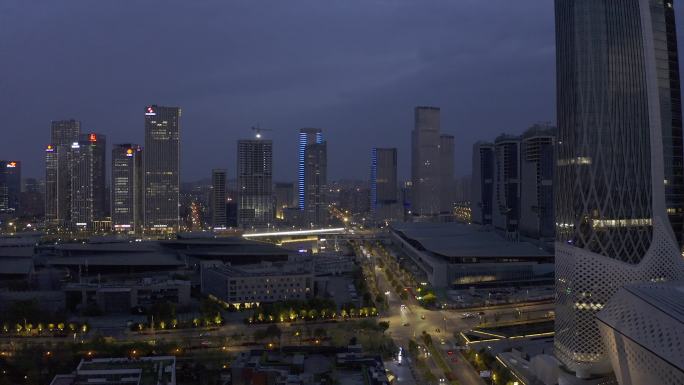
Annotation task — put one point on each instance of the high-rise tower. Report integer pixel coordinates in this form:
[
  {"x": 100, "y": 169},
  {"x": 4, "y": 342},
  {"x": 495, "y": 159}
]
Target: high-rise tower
[
  {"x": 63, "y": 133},
  {"x": 384, "y": 191},
  {"x": 10, "y": 186},
  {"x": 255, "y": 182},
  {"x": 218, "y": 199},
  {"x": 618, "y": 216},
  {"x": 446, "y": 174},
  {"x": 313, "y": 174},
  {"x": 87, "y": 171},
  {"x": 482, "y": 194},
  {"x": 162, "y": 168},
  {"x": 127, "y": 188},
  {"x": 315, "y": 182},
  {"x": 425, "y": 159}
]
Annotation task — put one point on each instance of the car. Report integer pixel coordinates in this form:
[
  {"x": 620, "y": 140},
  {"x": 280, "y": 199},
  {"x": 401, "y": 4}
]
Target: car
[
  {"x": 406, "y": 324},
  {"x": 450, "y": 352},
  {"x": 422, "y": 316},
  {"x": 442, "y": 342},
  {"x": 454, "y": 360}
]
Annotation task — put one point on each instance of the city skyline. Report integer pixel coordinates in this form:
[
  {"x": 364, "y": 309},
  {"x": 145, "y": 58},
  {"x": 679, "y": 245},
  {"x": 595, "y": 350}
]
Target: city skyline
[{"x": 349, "y": 87}]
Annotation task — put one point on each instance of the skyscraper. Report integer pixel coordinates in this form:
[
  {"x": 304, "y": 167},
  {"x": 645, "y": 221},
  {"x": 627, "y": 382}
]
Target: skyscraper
[
  {"x": 87, "y": 160},
  {"x": 482, "y": 193},
  {"x": 537, "y": 163},
  {"x": 619, "y": 138},
  {"x": 127, "y": 188},
  {"x": 384, "y": 189},
  {"x": 446, "y": 174},
  {"x": 312, "y": 175},
  {"x": 255, "y": 183},
  {"x": 506, "y": 210},
  {"x": 218, "y": 199},
  {"x": 57, "y": 172},
  {"x": 10, "y": 186},
  {"x": 162, "y": 168},
  {"x": 64, "y": 132},
  {"x": 425, "y": 158},
  {"x": 315, "y": 184}
]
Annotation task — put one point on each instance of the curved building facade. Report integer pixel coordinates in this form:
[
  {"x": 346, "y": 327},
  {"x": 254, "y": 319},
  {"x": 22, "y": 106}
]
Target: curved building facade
[{"x": 618, "y": 218}]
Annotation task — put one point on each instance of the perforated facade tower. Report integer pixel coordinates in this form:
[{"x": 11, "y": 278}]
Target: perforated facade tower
[{"x": 619, "y": 128}]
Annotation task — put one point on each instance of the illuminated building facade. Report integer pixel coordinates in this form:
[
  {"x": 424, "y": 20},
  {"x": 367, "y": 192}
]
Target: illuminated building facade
[
  {"x": 63, "y": 133},
  {"x": 255, "y": 183},
  {"x": 218, "y": 199},
  {"x": 312, "y": 176},
  {"x": 10, "y": 186},
  {"x": 162, "y": 168},
  {"x": 127, "y": 188},
  {"x": 619, "y": 138},
  {"x": 87, "y": 160}
]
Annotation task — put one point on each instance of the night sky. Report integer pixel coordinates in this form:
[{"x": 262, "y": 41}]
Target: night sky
[{"x": 355, "y": 68}]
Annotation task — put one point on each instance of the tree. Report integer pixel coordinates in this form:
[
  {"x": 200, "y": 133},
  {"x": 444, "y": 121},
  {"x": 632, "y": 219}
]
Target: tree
[
  {"x": 427, "y": 339},
  {"x": 273, "y": 332},
  {"x": 413, "y": 348},
  {"x": 209, "y": 309},
  {"x": 384, "y": 325}
]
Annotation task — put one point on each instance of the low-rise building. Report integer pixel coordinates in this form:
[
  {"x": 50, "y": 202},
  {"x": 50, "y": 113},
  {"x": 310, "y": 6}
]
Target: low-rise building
[
  {"x": 114, "y": 371},
  {"x": 307, "y": 367},
  {"x": 333, "y": 264},
  {"x": 263, "y": 283},
  {"x": 122, "y": 296},
  {"x": 456, "y": 255}
]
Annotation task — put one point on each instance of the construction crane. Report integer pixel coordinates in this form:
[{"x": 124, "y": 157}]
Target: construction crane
[{"x": 258, "y": 130}]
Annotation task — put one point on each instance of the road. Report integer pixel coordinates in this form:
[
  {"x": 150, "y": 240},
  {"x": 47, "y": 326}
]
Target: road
[{"x": 441, "y": 325}]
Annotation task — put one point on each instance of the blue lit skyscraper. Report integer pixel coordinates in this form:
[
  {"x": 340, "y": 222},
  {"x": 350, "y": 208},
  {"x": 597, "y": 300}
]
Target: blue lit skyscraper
[
  {"x": 312, "y": 177},
  {"x": 307, "y": 136}
]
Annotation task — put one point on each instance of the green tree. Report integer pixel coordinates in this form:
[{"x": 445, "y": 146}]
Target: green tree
[
  {"x": 384, "y": 325},
  {"x": 427, "y": 339},
  {"x": 413, "y": 348}
]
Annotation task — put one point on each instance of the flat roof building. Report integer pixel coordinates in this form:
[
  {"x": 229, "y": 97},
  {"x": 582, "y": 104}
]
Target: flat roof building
[
  {"x": 115, "y": 371},
  {"x": 266, "y": 282},
  {"x": 456, "y": 255}
]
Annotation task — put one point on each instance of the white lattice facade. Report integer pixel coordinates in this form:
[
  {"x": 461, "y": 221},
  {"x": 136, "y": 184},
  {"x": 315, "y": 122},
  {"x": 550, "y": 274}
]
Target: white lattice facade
[
  {"x": 587, "y": 281},
  {"x": 643, "y": 333}
]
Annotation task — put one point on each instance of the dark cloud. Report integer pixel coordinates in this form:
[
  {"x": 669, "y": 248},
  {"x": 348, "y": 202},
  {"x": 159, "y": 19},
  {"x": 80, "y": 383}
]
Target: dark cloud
[{"x": 353, "y": 67}]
